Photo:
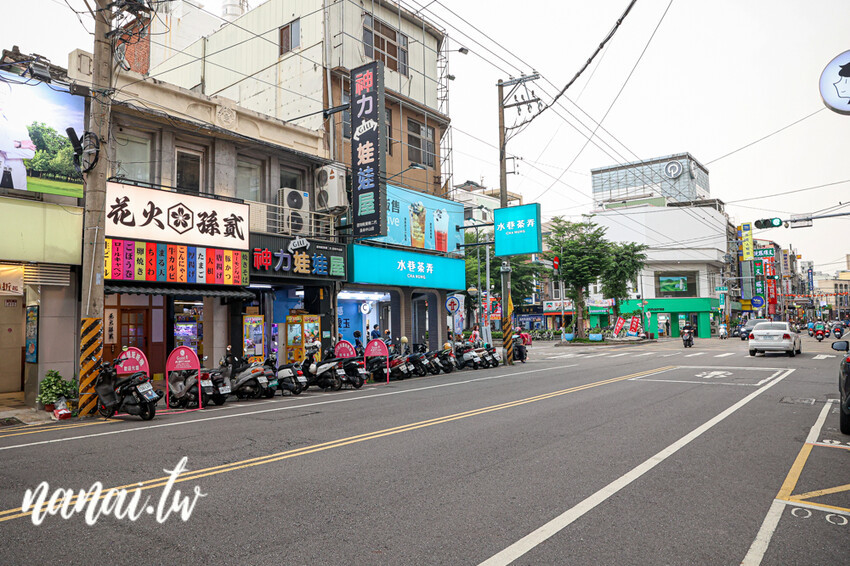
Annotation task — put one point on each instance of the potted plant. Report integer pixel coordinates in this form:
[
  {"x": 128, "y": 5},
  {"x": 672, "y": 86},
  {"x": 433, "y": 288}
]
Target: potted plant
[{"x": 50, "y": 389}]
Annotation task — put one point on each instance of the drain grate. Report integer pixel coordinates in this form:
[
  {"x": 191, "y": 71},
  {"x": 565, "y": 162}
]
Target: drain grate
[
  {"x": 796, "y": 401},
  {"x": 10, "y": 421}
]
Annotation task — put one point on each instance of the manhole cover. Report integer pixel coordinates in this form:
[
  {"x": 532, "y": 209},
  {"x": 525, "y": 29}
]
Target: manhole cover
[
  {"x": 10, "y": 421},
  {"x": 795, "y": 401}
]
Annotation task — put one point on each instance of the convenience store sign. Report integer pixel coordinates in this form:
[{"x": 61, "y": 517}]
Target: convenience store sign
[{"x": 132, "y": 260}]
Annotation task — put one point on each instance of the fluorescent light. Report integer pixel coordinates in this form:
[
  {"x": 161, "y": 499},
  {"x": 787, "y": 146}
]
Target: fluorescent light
[
  {"x": 362, "y": 296},
  {"x": 259, "y": 286}
]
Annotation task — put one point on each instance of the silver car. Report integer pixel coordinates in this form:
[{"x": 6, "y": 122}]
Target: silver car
[{"x": 775, "y": 337}]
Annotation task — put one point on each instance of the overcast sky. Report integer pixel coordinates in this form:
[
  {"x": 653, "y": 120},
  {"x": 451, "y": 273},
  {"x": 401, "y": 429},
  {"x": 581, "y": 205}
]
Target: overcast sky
[{"x": 717, "y": 76}]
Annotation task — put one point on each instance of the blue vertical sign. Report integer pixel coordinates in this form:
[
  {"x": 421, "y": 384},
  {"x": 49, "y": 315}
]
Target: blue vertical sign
[
  {"x": 517, "y": 230},
  {"x": 368, "y": 147},
  {"x": 811, "y": 280}
]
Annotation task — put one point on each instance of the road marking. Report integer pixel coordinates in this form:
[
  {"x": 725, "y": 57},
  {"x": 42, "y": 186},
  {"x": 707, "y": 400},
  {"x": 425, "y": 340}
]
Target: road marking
[
  {"x": 644, "y": 354},
  {"x": 562, "y": 521},
  {"x": 724, "y": 355},
  {"x": 823, "y": 356},
  {"x": 618, "y": 355},
  {"x": 756, "y": 552},
  {"x": 700, "y": 382},
  {"x": 365, "y": 394},
  {"x": 16, "y": 513},
  {"x": 697, "y": 354},
  {"x": 37, "y": 429},
  {"x": 668, "y": 355}
]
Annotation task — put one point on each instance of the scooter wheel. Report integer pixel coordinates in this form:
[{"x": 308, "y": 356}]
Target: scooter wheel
[
  {"x": 219, "y": 399},
  {"x": 357, "y": 382},
  {"x": 337, "y": 384},
  {"x": 104, "y": 412},
  {"x": 270, "y": 393},
  {"x": 148, "y": 412}
]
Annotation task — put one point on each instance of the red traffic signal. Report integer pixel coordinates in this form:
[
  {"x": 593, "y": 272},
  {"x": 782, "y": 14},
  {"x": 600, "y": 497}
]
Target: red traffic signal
[{"x": 555, "y": 262}]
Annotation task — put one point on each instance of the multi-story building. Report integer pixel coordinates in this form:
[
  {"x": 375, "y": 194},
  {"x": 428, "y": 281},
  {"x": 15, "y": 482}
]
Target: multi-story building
[{"x": 672, "y": 178}]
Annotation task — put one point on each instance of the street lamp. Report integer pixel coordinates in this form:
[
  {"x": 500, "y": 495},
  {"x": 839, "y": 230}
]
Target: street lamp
[{"x": 413, "y": 165}]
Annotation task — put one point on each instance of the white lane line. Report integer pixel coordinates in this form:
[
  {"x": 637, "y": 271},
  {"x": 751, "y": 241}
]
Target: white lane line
[
  {"x": 697, "y": 354},
  {"x": 618, "y": 355},
  {"x": 644, "y": 354},
  {"x": 560, "y": 522},
  {"x": 771, "y": 521},
  {"x": 724, "y": 355},
  {"x": 668, "y": 355},
  {"x": 366, "y": 394}
]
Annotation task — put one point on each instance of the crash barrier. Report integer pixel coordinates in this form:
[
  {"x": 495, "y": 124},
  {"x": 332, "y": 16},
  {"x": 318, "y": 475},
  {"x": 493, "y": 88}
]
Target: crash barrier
[
  {"x": 91, "y": 352},
  {"x": 182, "y": 358}
]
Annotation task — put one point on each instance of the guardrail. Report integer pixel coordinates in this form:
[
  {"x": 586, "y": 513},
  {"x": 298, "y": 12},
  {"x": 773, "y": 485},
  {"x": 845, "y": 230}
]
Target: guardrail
[{"x": 270, "y": 218}]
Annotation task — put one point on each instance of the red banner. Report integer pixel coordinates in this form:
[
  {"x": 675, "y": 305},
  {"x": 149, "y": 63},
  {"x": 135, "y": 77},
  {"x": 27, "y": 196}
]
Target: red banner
[
  {"x": 634, "y": 325},
  {"x": 619, "y": 326}
]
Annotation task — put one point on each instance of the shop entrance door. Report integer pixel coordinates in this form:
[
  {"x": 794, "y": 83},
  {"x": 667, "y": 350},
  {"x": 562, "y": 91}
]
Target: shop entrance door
[
  {"x": 12, "y": 343},
  {"x": 133, "y": 330}
]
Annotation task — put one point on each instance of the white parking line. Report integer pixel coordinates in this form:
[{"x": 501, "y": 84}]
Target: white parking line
[
  {"x": 724, "y": 355},
  {"x": 559, "y": 523}
]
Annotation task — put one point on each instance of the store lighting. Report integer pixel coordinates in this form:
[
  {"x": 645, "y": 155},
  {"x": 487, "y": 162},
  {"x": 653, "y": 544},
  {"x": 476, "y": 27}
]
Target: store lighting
[
  {"x": 362, "y": 296},
  {"x": 259, "y": 286}
]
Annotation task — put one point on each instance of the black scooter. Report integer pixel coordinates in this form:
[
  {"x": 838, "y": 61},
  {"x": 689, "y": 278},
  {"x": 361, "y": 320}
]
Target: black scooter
[{"x": 132, "y": 394}]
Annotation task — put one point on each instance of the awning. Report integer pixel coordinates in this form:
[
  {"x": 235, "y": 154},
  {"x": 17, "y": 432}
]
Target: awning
[{"x": 191, "y": 290}]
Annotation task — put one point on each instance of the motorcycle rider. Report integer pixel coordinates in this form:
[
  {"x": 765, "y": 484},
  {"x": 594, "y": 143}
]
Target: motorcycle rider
[{"x": 688, "y": 328}]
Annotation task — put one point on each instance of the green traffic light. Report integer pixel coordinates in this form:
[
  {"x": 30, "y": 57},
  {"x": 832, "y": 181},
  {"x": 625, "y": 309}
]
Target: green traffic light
[{"x": 768, "y": 223}]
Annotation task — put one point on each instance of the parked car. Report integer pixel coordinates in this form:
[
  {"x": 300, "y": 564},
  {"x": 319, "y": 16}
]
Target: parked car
[
  {"x": 843, "y": 385},
  {"x": 775, "y": 337},
  {"x": 748, "y": 327}
]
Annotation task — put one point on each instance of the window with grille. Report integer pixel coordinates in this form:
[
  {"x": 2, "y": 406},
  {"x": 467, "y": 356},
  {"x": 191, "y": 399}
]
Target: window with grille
[
  {"x": 420, "y": 143},
  {"x": 383, "y": 43}
]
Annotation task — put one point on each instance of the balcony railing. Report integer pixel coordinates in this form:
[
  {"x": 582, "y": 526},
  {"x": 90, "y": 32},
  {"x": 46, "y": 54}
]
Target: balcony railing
[{"x": 275, "y": 219}]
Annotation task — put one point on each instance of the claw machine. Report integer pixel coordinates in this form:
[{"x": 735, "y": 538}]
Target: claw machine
[
  {"x": 253, "y": 337},
  {"x": 300, "y": 331}
]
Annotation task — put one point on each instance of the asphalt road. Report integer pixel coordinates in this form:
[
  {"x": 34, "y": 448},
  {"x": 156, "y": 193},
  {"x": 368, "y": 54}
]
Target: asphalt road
[{"x": 649, "y": 454}]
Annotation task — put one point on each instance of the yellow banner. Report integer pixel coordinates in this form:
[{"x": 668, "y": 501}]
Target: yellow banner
[{"x": 747, "y": 237}]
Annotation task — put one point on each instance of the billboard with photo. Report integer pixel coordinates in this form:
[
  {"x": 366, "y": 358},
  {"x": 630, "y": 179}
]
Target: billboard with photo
[
  {"x": 423, "y": 221},
  {"x": 35, "y": 153},
  {"x": 673, "y": 284}
]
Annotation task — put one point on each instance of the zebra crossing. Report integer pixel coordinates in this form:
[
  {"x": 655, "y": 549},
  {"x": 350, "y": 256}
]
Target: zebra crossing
[{"x": 615, "y": 354}]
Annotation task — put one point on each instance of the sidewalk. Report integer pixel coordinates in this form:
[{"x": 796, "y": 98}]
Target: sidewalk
[{"x": 12, "y": 406}]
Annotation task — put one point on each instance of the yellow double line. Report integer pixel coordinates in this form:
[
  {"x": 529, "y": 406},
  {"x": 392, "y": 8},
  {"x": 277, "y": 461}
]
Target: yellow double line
[
  {"x": 18, "y": 512},
  {"x": 36, "y": 429}
]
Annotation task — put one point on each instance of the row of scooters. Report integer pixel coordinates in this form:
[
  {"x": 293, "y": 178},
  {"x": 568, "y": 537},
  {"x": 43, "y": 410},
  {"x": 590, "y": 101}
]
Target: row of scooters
[{"x": 246, "y": 380}]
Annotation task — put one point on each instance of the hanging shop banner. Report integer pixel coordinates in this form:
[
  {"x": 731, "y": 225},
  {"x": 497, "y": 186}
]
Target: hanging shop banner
[
  {"x": 129, "y": 260},
  {"x": 368, "y": 148},
  {"x": 11, "y": 280},
  {"x": 758, "y": 267},
  {"x": 558, "y": 306},
  {"x": 287, "y": 257},
  {"x": 32, "y": 334},
  {"x": 786, "y": 263},
  {"x": 770, "y": 269},
  {"x": 422, "y": 221},
  {"x": 110, "y": 320},
  {"x": 517, "y": 230},
  {"x": 764, "y": 252},
  {"x": 810, "y": 274},
  {"x": 384, "y": 266},
  {"x": 165, "y": 216},
  {"x": 459, "y": 317},
  {"x": 747, "y": 238}
]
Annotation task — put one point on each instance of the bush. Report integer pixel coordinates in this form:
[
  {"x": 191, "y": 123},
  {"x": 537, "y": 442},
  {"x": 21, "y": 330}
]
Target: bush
[{"x": 54, "y": 386}]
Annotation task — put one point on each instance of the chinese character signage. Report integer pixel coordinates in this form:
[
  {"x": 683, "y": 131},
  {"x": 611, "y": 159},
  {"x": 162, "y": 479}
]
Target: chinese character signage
[
  {"x": 154, "y": 215},
  {"x": 558, "y": 306},
  {"x": 422, "y": 221},
  {"x": 130, "y": 260},
  {"x": 747, "y": 240},
  {"x": 764, "y": 252},
  {"x": 368, "y": 147},
  {"x": 517, "y": 230},
  {"x": 383, "y": 266},
  {"x": 11, "y": 280},
  {"x": 786, "y": 263},
  {"x": 770, "y": 269},
  {"x": 811, "y": 277},
  {"x": 286, "y": 257},
  {"x": 32, "y": 334}
]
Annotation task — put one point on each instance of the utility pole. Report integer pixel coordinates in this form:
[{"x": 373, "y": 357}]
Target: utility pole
[
  {"x": 503, "y": 194},
  {"x": 91, "y": 328}
]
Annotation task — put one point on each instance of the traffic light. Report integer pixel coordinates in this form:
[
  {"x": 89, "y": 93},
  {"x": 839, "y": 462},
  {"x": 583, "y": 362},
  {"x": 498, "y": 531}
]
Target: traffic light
[{"x": 768, "y": 223}]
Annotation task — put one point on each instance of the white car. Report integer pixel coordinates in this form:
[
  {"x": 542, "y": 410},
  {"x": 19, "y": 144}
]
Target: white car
[{"x": 775, "y": 337}]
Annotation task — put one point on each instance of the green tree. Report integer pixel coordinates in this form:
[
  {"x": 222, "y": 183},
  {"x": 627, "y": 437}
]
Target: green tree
[
  {"x": 584, "y": 256},
  {"x": 626, "y": 261}
]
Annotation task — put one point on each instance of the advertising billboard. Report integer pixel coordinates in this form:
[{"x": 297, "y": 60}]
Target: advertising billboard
[
  {"x": 673, "y": 284},
  {"x": 422, "y": 221},
  {"x": 35, "y": 153}
]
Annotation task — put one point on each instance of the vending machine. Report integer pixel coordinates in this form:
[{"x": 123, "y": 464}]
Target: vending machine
[{"x": 300, "y": 331}]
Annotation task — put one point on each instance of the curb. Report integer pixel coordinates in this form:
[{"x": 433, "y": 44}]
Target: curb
[{"x": 609, "y": 343}]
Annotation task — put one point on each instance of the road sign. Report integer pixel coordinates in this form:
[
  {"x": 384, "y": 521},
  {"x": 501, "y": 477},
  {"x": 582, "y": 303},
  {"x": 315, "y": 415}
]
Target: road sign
[
  {"x": 801, "y": 221},
  {"x": 721, "y": 289},
  {"x": 452, "y": 305},
  {"x": 757, "y": 301},
  {"x": 556, "y": 262}
]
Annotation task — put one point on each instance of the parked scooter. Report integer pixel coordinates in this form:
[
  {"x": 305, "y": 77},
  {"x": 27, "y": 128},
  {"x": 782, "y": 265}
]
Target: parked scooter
[
  {"x": 247, "y": 380},
  {"x": 324, "y": 373},
  {"x": 446, "y": 356},
  {"x": 132, "y": 394},
  {"x": 466, "y": 356},
  {"x": 487, "y": 359}
]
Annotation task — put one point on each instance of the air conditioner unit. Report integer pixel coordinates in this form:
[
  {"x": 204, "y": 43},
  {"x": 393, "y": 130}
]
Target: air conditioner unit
[
  {"x": 258, "y": 217},
  {"x": 330, "y": 189},
  {"x": 294, "y": 212}
]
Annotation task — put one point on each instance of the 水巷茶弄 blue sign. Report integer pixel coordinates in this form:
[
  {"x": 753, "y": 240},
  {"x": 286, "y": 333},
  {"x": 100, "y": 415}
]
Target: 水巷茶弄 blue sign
[
  {"x": 517, "y": 230},
  {"x": 385, "y": 266}
]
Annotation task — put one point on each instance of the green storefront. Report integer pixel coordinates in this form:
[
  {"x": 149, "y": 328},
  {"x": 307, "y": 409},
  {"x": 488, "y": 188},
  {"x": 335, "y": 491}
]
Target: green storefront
[
  {"x": 599, "y": 316},
  {"x": 698, "y": 310}
]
